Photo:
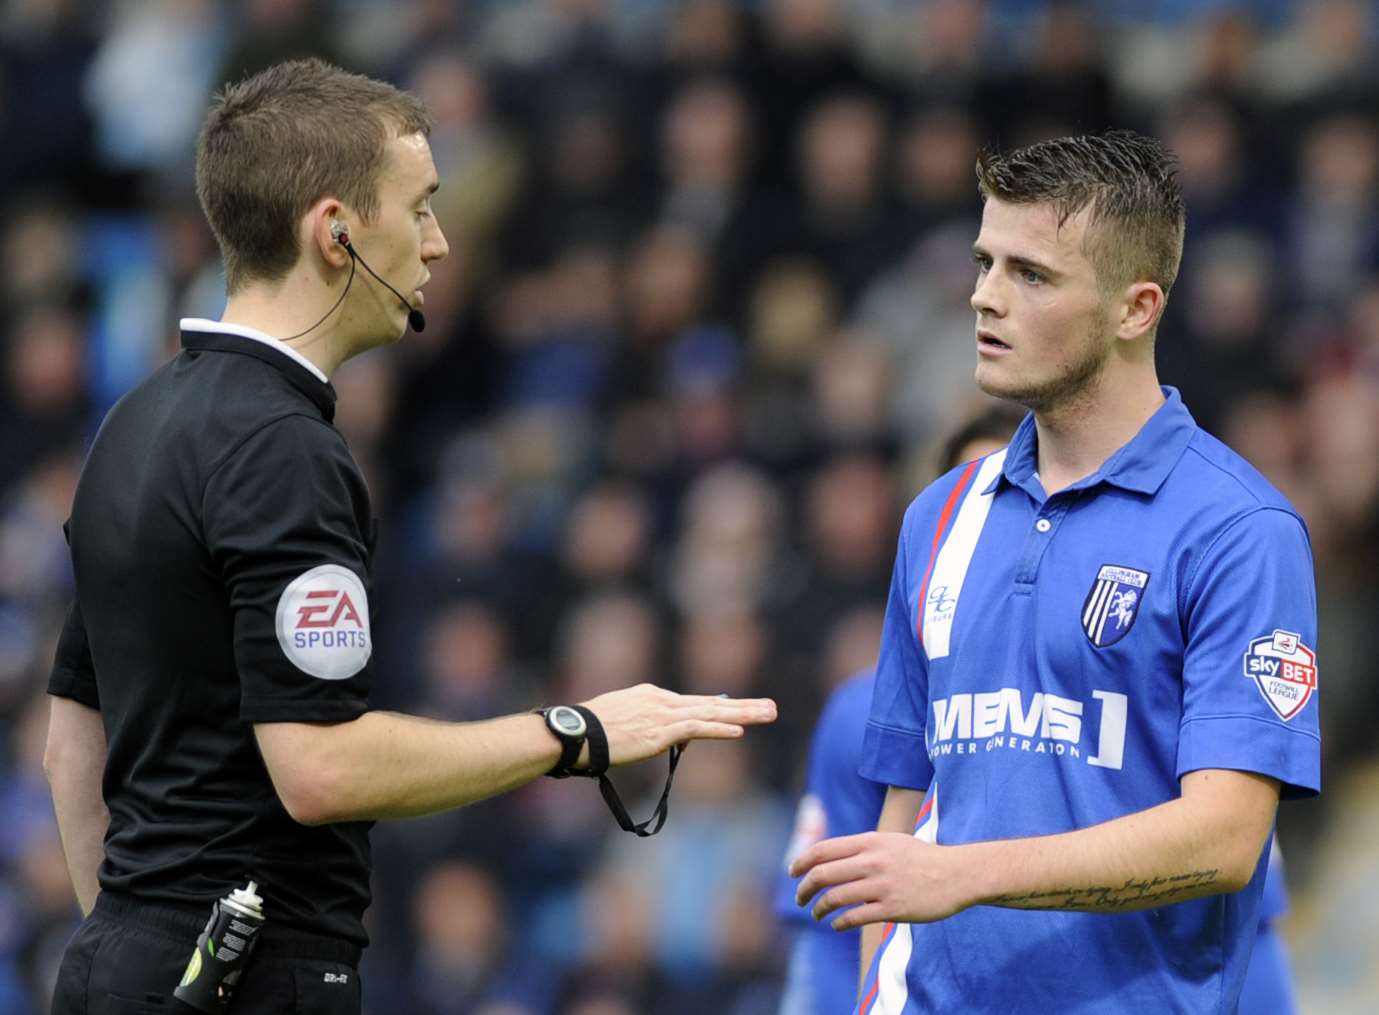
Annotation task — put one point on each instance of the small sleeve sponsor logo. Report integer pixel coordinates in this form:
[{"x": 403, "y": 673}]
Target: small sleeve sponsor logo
[
  {"x": 323, "y": 623},
  {"x": 1284, "y": 670}
]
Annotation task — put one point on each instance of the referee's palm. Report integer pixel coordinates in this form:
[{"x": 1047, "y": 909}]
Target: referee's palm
[{"x": 644, "y": 721}]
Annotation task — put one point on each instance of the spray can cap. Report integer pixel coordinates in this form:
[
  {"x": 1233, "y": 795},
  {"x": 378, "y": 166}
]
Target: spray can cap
[{"x": 248, "y": 898}]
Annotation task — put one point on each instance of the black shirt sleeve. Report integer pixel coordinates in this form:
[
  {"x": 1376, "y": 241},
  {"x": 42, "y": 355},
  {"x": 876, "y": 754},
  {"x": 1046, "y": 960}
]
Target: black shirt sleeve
[
  {"x": 74, "y": 675},
  {"x": 285, "y": 517}
]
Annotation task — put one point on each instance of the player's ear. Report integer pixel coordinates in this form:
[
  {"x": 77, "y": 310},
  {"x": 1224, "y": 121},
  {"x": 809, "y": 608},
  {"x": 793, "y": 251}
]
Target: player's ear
[{"x": 1140, "y": 308}]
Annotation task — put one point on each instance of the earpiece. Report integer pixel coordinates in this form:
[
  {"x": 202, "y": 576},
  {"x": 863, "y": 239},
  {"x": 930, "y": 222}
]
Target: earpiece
[{"x": 340, "y": 233}]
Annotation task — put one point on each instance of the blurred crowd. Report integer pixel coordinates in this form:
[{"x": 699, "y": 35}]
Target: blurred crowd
[{"x": 704, "y": 320}]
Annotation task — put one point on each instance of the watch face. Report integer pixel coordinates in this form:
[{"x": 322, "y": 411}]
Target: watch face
[{"x": 567, "y": 721}]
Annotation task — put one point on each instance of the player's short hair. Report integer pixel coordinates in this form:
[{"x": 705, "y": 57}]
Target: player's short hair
[
  {"x": 276, "y": 143},
  {"x": 1129, "y": 181}
]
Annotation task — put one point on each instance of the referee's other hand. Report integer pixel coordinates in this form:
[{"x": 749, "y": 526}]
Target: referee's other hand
[{"x": 644, "y": 721}]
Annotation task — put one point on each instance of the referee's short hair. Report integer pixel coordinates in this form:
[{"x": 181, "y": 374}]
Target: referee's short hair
[
  {"x": 1129, "y": 181},
  {"x": 276, "y": 143}
]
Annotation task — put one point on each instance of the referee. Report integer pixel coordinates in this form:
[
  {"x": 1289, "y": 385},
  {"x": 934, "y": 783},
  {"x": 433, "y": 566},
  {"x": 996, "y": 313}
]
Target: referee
[{"x": 210, "y": 723}]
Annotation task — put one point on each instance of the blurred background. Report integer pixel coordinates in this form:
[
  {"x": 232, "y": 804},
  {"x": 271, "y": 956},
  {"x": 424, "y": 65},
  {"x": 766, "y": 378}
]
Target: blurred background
[{"x": 703, "y": 323}]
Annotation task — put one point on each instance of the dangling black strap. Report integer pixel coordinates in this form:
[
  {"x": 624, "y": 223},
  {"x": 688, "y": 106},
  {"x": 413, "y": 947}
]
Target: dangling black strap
[{"x": 598, "y": 769}]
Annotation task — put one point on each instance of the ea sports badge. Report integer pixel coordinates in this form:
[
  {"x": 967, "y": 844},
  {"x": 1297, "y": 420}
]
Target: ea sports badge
[
  {"x": 323, "y": 623},
  {"x": 1284, "y": 670}
]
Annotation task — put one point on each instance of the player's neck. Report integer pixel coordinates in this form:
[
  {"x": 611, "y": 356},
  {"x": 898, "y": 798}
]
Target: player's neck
[
  {"x": 286, "y": 309},
  {"x": 1080, "y": 433}
]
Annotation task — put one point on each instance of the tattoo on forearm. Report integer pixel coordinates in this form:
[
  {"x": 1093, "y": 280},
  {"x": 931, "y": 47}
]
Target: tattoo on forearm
[{"x": 1133, "y": 894}]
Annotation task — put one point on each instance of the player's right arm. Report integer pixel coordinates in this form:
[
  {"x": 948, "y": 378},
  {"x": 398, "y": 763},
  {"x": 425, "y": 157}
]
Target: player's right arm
[
  {"x": 898, "y": 814},
  {"x": 385, "y": 765}
]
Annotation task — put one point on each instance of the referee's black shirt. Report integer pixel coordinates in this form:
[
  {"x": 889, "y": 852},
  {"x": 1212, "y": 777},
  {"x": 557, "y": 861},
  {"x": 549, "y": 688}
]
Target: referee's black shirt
[{"x": 221, "y": 539}]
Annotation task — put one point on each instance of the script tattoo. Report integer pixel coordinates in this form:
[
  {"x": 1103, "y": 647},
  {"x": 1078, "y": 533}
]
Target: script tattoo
[{"x": 1133, "y": 894}]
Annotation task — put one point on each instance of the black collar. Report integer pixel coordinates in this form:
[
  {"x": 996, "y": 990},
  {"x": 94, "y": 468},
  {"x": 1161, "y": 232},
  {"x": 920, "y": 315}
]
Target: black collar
[{"x": 322, "y": 393}]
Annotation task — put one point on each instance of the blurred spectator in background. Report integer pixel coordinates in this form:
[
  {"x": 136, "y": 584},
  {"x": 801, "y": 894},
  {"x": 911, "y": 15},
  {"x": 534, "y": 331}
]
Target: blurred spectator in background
[
  {"x": 161, "y": 55},
  {"x": 1332, "y": 237},
  {"x": 45, "y": 381},
  {"x": 271, "y": 31},
  {"x": 919, "y": 308},
  {"x": 711, "y": 933},
  {"x": 463, "y": 937},
  {"x": 41, "y": 252},
  {"x": 468, "y": 669},
  {"x": 605, "y": 547},
  {"x": 934, "y": 168},
  {"x": 846, "y": 223},
  {"x": 1061, "y": 83},
  {"x": 1222, "y": 348},
  {"x": 46, "y": 47},
  {"x": 805, "y": 56},
  {"x": 728, "y": 558}
]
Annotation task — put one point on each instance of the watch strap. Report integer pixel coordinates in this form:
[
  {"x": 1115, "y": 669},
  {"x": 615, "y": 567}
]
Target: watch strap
[
  {"x": 652, "y": 825},
  {"x": 569, "y": 746},
  {"x": 597, "y": 740},
  {"x": 598, "y": 769}
]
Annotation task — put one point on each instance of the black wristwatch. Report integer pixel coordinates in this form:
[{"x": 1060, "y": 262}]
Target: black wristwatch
[{"x": 571, "y": 730}]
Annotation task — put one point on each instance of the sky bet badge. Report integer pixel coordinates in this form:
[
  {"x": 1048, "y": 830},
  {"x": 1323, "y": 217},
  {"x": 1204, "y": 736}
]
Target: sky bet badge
[
  {"x": 1284, "y": 669},
  {"x": 1113, "y": 604}
]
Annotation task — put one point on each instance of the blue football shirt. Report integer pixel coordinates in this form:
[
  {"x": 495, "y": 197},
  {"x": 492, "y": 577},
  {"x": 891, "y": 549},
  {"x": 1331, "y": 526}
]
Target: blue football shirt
[
  {"x": 1050, "y": 663},
  {"x": 821, "y": 978}
]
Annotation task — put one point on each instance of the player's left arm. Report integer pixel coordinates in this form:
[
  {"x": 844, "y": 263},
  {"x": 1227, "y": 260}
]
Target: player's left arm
[{"x": 1207, "y": 841}]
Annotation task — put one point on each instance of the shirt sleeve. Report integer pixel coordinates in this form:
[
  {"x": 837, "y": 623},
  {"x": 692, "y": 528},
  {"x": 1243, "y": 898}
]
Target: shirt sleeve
[
  {"x": 1250, "y": 667},
  {"x": 74, "y": 675},
  {"x": 893, "y": 749},
  {"x": 284, "y": 519}
]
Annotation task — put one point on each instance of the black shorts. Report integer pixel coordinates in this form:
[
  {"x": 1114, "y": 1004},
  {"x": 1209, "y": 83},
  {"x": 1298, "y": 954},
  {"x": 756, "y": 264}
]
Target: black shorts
[{"x": 127, "y": 957}]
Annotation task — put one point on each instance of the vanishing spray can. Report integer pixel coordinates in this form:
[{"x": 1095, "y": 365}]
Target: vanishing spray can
[{"x": 222, "y": 951}]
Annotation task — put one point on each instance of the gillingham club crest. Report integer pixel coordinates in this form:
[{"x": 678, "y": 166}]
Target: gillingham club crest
[
  {"x": 1284, "y": 670},
  {"x": 1113, "y": 604}
]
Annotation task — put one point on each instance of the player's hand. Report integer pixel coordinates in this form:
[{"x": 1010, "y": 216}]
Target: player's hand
[
  {"x": 644, "y": 721},
  {"x": 883, "y": 876}
]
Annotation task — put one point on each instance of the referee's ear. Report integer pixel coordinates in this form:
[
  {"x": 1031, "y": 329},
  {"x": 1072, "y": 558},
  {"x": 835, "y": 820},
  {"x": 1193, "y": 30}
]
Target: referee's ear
[{"x": 316, "y": 234}]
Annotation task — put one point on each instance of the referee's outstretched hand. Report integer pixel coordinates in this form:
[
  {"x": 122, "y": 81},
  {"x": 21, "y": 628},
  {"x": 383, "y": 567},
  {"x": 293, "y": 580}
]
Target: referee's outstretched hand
[{"x": 644, "y": 721}]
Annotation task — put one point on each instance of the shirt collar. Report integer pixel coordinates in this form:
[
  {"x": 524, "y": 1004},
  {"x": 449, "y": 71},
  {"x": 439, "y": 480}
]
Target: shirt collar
[
  {"x": 1141, "y": 465},
  {"x": 200, "y": 333}
]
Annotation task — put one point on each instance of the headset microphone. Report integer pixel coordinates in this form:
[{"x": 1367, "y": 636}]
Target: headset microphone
[{"x": 341, "y": 235}]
